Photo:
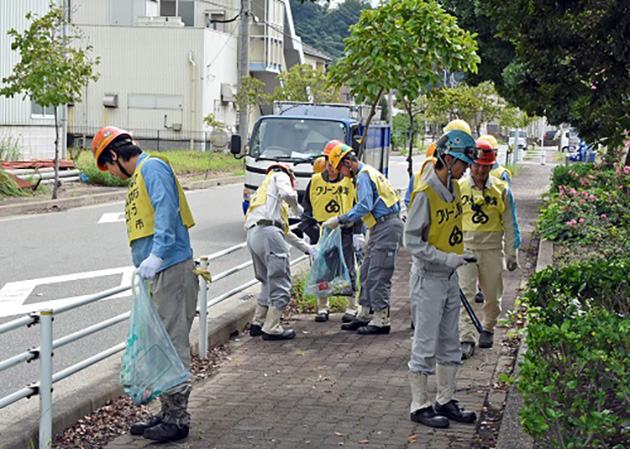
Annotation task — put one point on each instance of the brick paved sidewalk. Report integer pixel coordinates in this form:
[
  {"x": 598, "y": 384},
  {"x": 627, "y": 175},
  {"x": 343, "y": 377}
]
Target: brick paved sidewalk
[{"x": 330, "y": 388}]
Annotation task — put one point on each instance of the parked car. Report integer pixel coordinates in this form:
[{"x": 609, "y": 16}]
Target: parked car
[
  {"x": 522, "y": 139},
  {"x": 551, "y": 137}
]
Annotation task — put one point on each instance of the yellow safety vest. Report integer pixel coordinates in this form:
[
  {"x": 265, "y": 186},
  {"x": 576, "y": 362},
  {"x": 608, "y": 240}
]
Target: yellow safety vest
[
  {"x": 445, "y": 232},
  {"x": 260, "y": 198},
  {"x": 487, "y": 217},
  {"x": 498, "y": 172},
  {"x": 331, "y": 199},
  {"x": 417, "y": 179},
  {"x": 385, "y": 190},
  {"x": 139, "y": 213}
]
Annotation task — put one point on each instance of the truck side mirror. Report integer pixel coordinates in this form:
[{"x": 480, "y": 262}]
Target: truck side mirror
[
  {"x": 235, "y": 145},
  {"x": 356, "y": 142}
]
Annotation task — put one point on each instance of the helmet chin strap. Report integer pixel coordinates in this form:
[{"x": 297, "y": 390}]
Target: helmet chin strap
[
  {"x": 122, "y": 169},
  {"x": 449, "y": 178}
]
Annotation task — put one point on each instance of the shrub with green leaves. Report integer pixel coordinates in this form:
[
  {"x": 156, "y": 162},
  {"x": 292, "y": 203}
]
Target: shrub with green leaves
[
  {"x": 574, "y": 381},
  {"x": 559, "y": 294},
  {"x": 8, "y": 187}
]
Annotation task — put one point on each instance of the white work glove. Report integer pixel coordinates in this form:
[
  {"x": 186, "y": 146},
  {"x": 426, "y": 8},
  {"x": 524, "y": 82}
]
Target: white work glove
[
  {"x": 358, "y": 242},
  {"x": 331, "y": 223},
  {"x": 313, "y": 251},
  {"x": 511, "y": 262},
  {"x": 306, "y": 239},
  {"x": 299, "y": 210},
  {"x": 149, "y": 267},
  {"x": 455, "y": 261}
]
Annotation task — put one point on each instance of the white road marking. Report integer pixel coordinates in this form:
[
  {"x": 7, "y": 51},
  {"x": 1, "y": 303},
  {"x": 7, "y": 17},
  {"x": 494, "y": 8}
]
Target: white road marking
[
  {"x": 112, "y": 217},
  {"x": 14, "y": 294}
]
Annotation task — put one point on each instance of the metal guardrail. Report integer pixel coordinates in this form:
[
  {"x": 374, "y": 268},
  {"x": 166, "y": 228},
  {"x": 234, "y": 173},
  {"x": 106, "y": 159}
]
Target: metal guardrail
[{"x": 44, "y": 352}]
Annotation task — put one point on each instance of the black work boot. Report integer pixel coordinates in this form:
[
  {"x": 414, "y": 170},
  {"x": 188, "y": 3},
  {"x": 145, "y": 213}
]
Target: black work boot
[
  {"x": 348, "y": 317},
  {"x": 373, "y": 330},
  {"x": 486, "y": 339},
  {"x": 166, "y": 432},
  {"x": 255, "y": 330},
  {"x": 453, "y": 411},
  {"x": 354, "y": 325},
  {"x": 468, "y": 349},
  {"x": 287, "y": 334},
  {"x": 479, "y": 296},
  {"x": 428, "y": 417},
  {"x": 139, "y": 427},
  {"x": 322, "y": 316}
]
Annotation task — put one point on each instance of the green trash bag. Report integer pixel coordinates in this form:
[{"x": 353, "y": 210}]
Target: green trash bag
[
  {"x": 150, "y": 364},
  {"x": 329, "y": 274}
]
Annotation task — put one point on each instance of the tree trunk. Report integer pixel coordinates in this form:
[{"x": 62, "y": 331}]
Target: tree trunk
[
  {"x": 367, "y": 123},
  {"x": 411, "y": 136},
  {"x": 56, "y": 182}
]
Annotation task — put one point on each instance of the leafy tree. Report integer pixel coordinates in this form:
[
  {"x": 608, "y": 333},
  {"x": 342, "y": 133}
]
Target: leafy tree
[
  {"x": 571, "y": 62},
  {"x": 252, "y": 93},
  {"x": 402, "y": 46},
  {"x": 54, "y": 67},
  {"x": 303, "y": 83}
]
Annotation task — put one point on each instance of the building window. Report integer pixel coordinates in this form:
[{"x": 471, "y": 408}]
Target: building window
[
  {"x": 38, "y": 111},
  {"x": 185, "y": 10},
  {"x": 211, "y": 20}
]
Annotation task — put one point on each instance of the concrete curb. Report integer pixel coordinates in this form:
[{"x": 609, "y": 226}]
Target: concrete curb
[
  {"x": 511, "y": 433},
  {"x": 79, "y": 395},
  {"x": 98, "y": 198}
]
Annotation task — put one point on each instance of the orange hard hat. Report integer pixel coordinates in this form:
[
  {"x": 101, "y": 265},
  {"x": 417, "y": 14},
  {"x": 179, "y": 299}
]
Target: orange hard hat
[
  {"x": 330, "y": 145},
  {"x": 430, "y": 150},
  {"x": 103, "y": 138},
  {"x": 285, "y": 168},
  {"x": 319, "y": 165},
  {"x": 487, "y": 155}
]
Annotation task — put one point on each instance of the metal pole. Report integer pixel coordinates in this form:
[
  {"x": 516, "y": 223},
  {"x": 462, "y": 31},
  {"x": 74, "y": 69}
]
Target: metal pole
[
  {"x": 203, "y": 311},
  {"x": 515, "y": 158},
  {"x": 45, "y": 382},
  {"x": 243, "y": 69},
  {"x": 64, "y": 107},
  {"x": 543, "y": 154}
]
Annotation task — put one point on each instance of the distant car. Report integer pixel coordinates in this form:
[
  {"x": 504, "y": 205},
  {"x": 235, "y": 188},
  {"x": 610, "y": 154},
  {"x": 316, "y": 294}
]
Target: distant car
[
  {"x": 550, "y": 138},
  {"x": 522, "y": 139}
]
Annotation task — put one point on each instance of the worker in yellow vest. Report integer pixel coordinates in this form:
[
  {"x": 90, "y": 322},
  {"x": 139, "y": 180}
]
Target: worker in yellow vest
[
  {"x": 158, "y": 218},
  {"x": 267, "y": 226},
  {"x": 378, "y": 206},
  {"x": 497, "y": 170},
  {"x": 327, "y": 195},
  {"x": 489, "y": 228},
  {"x": 433, "y": 236}
]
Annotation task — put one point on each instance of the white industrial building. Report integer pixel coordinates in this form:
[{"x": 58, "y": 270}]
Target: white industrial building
[{"x": 164, "y": 66}]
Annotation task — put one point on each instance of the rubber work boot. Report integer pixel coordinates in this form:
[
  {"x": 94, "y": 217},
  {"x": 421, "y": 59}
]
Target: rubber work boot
[
  {"x": 139, "y": 427},
  {"x": 468, "y": 349},
  {"x": 351, "y": 310},
  {"x": 165, "y": 432},
  {"x": 453, "y": 411},
  {"x": 255, "y": 329},
  {"x": 272, "y": 330},
  {"x": 380, "y": 324},
  {"x": 421, "y": 410},
  {"x": 479, "y": 296},
  {"x": 486, "y": 339},
  {"x": 322, "y": 310},
  {"x": 362, "y": 319},
  {"x": 445, "y": 404}
]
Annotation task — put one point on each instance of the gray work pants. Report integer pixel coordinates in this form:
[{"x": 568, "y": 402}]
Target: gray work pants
[
  {"x": 270, "y": 254},
  {"x": 378, "y": 264},
  {"x": 435, "y": 303},
  {"x": 174, "y": 292},
  {"x": 347, "y": 245}
]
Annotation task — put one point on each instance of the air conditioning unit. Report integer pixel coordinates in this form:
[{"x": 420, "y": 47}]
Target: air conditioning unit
[
  {"x": 110, "y": 100},
  {"x": 228, "y": 92}
]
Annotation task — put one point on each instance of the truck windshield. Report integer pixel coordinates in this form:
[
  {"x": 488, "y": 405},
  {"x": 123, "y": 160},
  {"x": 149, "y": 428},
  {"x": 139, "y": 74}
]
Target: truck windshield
[{"x": 294, "y": 139}]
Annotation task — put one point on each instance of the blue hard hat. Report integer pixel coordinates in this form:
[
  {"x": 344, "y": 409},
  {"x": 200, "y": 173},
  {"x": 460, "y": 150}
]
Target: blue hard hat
[{"x": 458, "y": 144}]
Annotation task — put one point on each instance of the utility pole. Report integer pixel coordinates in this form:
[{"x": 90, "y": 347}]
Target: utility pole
[{"x": 243, "y": 69}]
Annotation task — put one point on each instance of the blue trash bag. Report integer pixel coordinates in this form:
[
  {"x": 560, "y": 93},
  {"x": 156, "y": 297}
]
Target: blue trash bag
[
  {"x": 329, "y": 274},
  {"x": 150, "y": 364}
]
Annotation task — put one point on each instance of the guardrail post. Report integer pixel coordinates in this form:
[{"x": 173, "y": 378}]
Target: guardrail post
[
  {"x": 45, "y": 382},
  {"x": 203, "y": 311}
]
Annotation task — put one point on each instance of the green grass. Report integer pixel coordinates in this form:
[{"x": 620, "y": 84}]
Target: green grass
[
  {"x": 307, "y": 303},
  {"x": 8, "y": 187},
  {"x": 185, "y": 163}
]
